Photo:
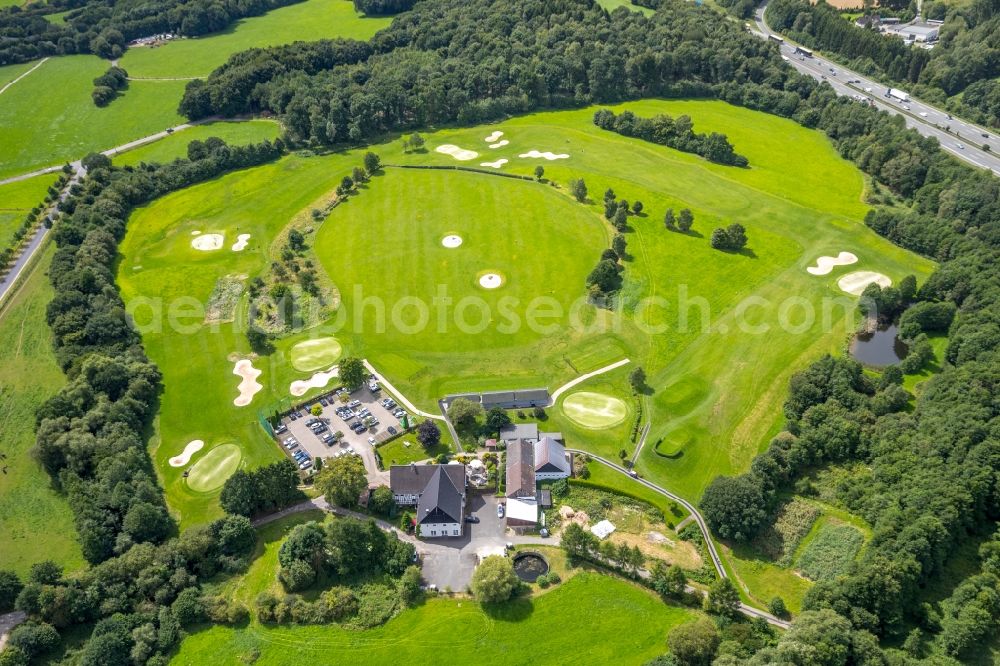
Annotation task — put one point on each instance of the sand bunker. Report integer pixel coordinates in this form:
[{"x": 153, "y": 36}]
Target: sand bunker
[
  {"x": 496, "y": 165},
  {"x": 195, "y": 233},
  {"x": 493, "y": 137},
  {"x": 207, "y": 242},
  {"x": 825, "y": 264},
  {"x": 451, "y": 241},
  {"x": 490, "y": 281},
  {"x": 193, "y": 447},
  {"x": 241, "y": 242},
  {"x": 855, "y": 283},
  {"x": 249, "y": 385},
  {"x": 546, "y": 155},
  {"x": 459, "y": 154},
  {"x": 318, "y": 380},
  {"x": 499, "y": 144}
]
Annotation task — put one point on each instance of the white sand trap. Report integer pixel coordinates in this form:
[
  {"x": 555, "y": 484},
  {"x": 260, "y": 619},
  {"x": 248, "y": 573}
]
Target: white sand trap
[
  {"x": 193, "y": 447},
  {"x": 825, "y": 264},
  {"x": 451, "y": 241},
  {"x": 195, "y": 232},
  {"x": 855, "y": 283},
  {"x": 318, "y": 380},
  {"x": 499, "y": 144},
  {"x": 460, "y": 154},
  {"x": 534, "y": 154},
  {"x": 496, "y": 165},
  {"x": 490, "y": 281},
  {"x": 249, "y": 385},
  {"x": 207, "y": 242},
  {"x": 493, "y": 137},
  {"x": 241, "y": 242}
]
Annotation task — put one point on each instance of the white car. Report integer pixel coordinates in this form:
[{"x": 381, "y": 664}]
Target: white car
[
  {"x": 371, "y": 440},
  {"x": 923, "y": 114}
]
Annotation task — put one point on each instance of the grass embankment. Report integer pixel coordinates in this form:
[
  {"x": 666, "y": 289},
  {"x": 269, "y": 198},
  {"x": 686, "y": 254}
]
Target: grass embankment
[
  {"x": 631, "y": 628},
  {"x": 16, "y": 201},
  {"x": 37, "y": 522}
]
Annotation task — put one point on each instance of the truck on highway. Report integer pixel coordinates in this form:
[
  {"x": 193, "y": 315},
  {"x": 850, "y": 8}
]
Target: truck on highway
[
  {"x": 775, "y": 38},
  {"x": 801, "y": 50},
  {"x": 896, "y": 93}
]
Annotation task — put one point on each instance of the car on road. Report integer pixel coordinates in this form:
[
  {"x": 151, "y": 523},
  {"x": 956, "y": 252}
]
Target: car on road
[
  {"x": 923, "y": 114},
  {"x": 961, "y": 146},
  {"x": 472, "y": 519},
  {"x": 499, "y": 510}
]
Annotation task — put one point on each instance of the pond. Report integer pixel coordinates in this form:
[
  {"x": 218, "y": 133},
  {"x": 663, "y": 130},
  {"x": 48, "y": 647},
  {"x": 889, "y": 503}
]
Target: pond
[
  {"x": 529, "y": 566},
  {"x": 878, "y": 349}
]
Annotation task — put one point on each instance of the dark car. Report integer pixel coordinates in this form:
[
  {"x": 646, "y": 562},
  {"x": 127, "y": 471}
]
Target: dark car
[
  {"x": 472, "y": 519},
  {"x": 391, "y": 430}
]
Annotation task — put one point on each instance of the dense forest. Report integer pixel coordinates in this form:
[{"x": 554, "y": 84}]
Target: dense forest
[
  {"x": 106, "y": 27},
  {"x": 924, "y": 476},
  {"x": 960, "y": 72}
]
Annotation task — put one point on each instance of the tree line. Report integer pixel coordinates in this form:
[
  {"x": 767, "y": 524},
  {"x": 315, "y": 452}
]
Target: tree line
[
  {"x": 106, "y": 28},
  {"x": 454, "y": 61},
  {"x": 678, "y": 134}
]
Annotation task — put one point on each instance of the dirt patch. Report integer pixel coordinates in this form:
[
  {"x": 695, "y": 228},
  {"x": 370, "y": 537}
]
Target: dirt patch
[{"x": 223, "y": 300}]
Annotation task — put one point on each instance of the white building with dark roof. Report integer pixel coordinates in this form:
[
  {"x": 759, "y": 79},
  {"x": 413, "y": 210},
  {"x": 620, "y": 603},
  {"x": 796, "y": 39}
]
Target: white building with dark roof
[{"x": 437, "y": 491}]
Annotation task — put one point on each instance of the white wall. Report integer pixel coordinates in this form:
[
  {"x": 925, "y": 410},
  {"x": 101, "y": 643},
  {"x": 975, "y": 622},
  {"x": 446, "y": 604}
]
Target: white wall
[
  {"x": 406, "y": 500},
  {"x": 549, "y": 476},
  {"x": 437, "y": 530}
]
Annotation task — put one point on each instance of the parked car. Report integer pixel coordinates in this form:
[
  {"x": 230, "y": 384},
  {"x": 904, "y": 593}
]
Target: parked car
[
  {"x": 371, "y": 440},
  {"x": 472, "y": 519},
  {"x": 391, "y": 430},
  {"x": 354, "y": 403},
  {"x": 499, "y": 510},
  {"x": 281, "y": 429},
  {"x": 399, "y": 413},
  {"x": 323, "y": 401},
  {"x": 305, "y": 464}
]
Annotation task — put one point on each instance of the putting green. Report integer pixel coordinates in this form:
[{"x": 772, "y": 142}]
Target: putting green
[
  {"x": 214, "y": 468},
  {"x": 310, "y": 355},
  {"x": 594, "y": 410}
]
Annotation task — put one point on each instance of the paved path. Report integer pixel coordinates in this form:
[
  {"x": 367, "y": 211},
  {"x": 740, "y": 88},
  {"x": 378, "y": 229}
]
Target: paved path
[
  {"x": 7, "y": 624},
  {"x": 400, "y": 398},
  {"x": 928, "y": 120},
  {"x": 37, "y": 239},
  {"x": 584, "y": 377},
  {"x": 40, "y": 63},
  {"x": 706, "y": 535},
  {"x": 642, "y": 442}
]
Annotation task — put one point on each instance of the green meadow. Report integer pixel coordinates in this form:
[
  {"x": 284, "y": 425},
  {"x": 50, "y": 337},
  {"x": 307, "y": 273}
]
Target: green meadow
[
  {"x": 632, "y": 627},
  {"x": 37, "y": 522},
  {"x": 717, "y": 369},
  {"x": 175, "y": 145},
  {"x": 17, "y": 199},
  {"x": 47, "y": 118},
  {"x": 310, "y": 20}
]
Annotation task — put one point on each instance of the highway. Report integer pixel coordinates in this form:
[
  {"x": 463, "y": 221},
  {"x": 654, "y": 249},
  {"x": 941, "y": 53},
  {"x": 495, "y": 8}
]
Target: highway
[{"x": 960, "y": 138}]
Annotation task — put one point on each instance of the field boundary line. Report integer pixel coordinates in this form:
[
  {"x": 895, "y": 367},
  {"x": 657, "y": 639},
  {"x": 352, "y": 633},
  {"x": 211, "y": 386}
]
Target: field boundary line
[{"x": 40, "y": 63}]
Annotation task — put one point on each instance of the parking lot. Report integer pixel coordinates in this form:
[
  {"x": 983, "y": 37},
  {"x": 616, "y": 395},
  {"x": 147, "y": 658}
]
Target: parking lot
[
  {"x": 449, "y": 563},
  {"x": 362, "y": 406}
]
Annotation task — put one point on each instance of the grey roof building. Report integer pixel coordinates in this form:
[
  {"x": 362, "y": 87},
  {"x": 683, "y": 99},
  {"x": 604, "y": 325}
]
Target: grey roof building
[
  {"x": 514, "y": 431},
  {"x": 550, "y": 459},
  {"x": 442, "y": 500},
  {"x": 411, "y": 481},
  {"x": 520, "y": 472}
]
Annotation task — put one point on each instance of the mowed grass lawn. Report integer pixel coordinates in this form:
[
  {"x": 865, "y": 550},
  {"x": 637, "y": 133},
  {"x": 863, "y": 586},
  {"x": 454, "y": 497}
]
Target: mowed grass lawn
[
  {"x": 717, "y": 370},
  {"x": 166, "y": 283},
  {"x": 175, "y": 145},
  {"x": 37, "y": 522},
  {"x": 16, "y": 201},
  {"x": 48, "y": 118},
  {"x": 608, "y": 620},
  {"x": 306, "y": 21}
]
